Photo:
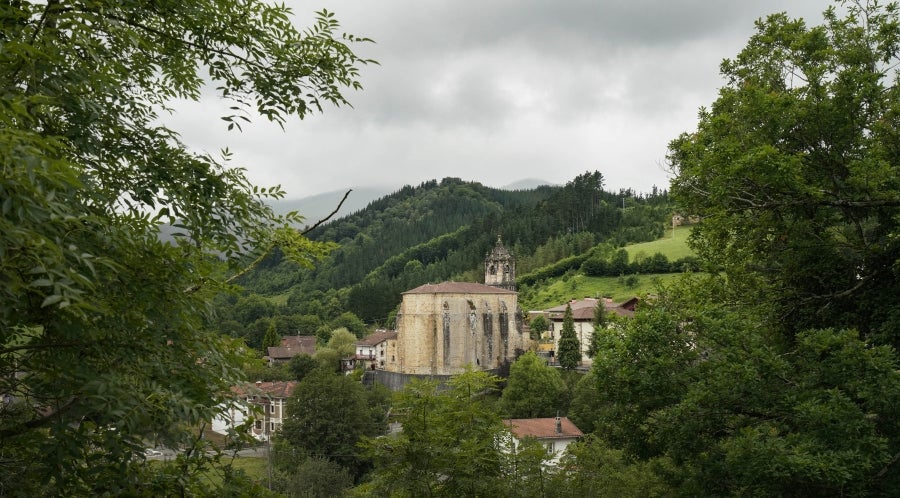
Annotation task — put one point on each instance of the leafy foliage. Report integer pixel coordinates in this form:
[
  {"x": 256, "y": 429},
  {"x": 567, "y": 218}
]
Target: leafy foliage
[
  {"x": 328, "y": 414},
  {"x": 794, "y": 170},
  {"x": 448, "y": 446},
  {"x": 762, "y": 380},
  {"x": 716, "y": 394},
  {"x": 538, "y": 325},
  {"x": 102, "y": 344},
  {"x": 533, "y": 389}
]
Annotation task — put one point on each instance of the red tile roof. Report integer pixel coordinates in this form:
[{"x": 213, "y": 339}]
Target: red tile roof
[
  {"x": 271, "y": 389},
  {"x": 583, "y": 309},
  {"x": 458, "y": 288},
  {"x": 543, "y": 428},
  {"x": 377, "y": 337},
  {"x": 292, "y": 345}
]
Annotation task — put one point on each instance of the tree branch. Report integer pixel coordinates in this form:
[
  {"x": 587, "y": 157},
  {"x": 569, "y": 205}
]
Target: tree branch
[
  {"x": 37, "y": 422},
  {"x": 323, "y": 220},
  {"x": 258, "y": 260}
]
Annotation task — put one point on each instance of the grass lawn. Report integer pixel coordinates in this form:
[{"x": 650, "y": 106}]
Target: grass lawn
[
  {"x": 563, "y": 289},
  {"x": 580, "y": 286},
  {"x": 673, "y": 247}
]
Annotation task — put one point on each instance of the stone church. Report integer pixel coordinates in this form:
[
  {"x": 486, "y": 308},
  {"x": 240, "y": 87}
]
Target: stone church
[{"x": 442, "y": 328}]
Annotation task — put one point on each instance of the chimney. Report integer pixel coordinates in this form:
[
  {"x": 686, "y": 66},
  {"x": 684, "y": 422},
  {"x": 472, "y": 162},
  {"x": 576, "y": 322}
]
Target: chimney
[
  {"x": 258, "y": 383},
  {"x": 558, "y": 425}
]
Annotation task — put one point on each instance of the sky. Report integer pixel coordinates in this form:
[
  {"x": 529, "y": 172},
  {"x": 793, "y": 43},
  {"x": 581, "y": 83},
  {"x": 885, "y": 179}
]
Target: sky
[{"x": 500, "y": 91}]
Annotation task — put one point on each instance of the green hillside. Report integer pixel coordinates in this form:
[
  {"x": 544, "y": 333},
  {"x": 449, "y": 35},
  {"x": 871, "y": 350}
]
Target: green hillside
[
  {"x": 673, "y": 246},
  {"x": 574, "y": 284},
  {"x": 441, "y": 230},
  {"x": 581, "y": 286}
]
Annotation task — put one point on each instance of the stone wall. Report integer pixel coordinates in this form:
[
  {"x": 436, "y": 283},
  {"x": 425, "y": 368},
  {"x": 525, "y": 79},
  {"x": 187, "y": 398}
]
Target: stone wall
[{"x": 441, "y": 333}]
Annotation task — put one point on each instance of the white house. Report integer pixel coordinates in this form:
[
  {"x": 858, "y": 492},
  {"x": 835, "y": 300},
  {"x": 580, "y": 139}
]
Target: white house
[
  {"x": 271, "y": 400},
  {"x": 556, "y": 433},
  {"x": 376, "y": 347},
  {"x": 583, "y": 318}
]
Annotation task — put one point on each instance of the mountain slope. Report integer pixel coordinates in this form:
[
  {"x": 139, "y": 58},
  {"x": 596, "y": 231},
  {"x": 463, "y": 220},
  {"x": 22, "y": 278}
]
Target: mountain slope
[{"x": 442, "y": 230}]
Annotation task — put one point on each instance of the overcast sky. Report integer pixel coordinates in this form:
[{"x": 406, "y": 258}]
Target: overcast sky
[{"x": 501, "y": 90}]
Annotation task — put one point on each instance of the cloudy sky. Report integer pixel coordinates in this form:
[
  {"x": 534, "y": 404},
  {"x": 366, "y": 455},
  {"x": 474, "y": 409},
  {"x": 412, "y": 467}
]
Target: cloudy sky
[{"x": 498, "y": 91}]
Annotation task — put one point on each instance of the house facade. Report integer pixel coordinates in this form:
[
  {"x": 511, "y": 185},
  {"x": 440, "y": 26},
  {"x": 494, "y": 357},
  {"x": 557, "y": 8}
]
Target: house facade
[
  {"x": 583, "y": 318},
  {"x": 377, "y": 349},
  {"x": 555, "y": 433},
  {"x": 264, "y": 404}
]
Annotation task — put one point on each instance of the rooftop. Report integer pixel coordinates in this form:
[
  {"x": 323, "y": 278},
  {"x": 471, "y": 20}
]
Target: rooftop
[
  {"x": 543, "y": 428},
  {"x": 377, "y": 337},
  {"x": 458, "y": 288},
  {"x": 270, "y": 389}
]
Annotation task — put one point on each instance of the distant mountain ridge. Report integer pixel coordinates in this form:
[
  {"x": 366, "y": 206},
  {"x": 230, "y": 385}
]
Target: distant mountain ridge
[{"x": 316, "y": 207}]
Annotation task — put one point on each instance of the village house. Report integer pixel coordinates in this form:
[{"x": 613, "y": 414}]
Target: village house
[
  {"x": 583, "y": 318},
  {"x": 555, "y": 433},
  {"x": 291, "y": 346},
  {"x": 377, "y": 348},
  {"x": 270, "y": 398}
]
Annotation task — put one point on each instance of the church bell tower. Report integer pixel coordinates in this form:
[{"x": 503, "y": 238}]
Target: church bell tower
[{"x": 500, "y": 268}]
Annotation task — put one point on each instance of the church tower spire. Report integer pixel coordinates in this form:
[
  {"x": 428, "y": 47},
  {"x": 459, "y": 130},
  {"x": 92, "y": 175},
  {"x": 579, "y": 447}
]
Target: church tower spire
[{"x": 500, "y": 267}]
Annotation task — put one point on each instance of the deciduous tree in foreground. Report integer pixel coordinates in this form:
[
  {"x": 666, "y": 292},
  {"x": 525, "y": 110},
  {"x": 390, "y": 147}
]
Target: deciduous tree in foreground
[
  {"x": 101, "y": 344},
  {"x": 779, "y": 376}
]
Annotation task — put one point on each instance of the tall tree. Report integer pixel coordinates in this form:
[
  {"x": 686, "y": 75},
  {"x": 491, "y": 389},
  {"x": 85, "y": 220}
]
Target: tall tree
[
  {"x": 600, "y": 323},
  {"x": 569, "y": 353},
  {"x": 780, "y": 375},
  {"x": 271, "y": 339},
  {"x": 101, "y": 340},
  {"x": 533, "y": 389},
  {"x": 448, "y": 446},
  {"x": 795, "y": 170},
  {"x": 327, "y": 416}
]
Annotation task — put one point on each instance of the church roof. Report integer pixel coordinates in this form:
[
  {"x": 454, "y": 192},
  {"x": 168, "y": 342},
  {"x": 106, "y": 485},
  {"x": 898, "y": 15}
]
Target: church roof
[{"x": 458, "y": 288}]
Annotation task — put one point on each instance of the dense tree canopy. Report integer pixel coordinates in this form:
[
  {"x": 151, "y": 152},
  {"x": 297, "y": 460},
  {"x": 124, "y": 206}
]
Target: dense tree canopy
[
  {"x": 778, "y": 376},
  {"x": 329, "y": 413},
  {"x": 794, "y": 170},
  {"x": 533, "y": 389},
  {"x": 448, "y": 446},
  {"x": 101, "y": 339}
]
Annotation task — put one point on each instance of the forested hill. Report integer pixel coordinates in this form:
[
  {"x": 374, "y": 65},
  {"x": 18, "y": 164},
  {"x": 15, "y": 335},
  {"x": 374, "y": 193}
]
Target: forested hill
[{"x": 442, "y": 230}]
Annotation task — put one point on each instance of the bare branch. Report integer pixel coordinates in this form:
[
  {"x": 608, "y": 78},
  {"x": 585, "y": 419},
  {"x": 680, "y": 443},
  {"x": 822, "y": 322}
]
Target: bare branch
[{"x": 323, "y": 220}]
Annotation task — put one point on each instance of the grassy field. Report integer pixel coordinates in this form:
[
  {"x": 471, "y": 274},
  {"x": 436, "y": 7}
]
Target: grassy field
[
  {"x": 580, "y": 286},
  {"x": 256, "y": 468},
  {"x": 673, "y": 247}
]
